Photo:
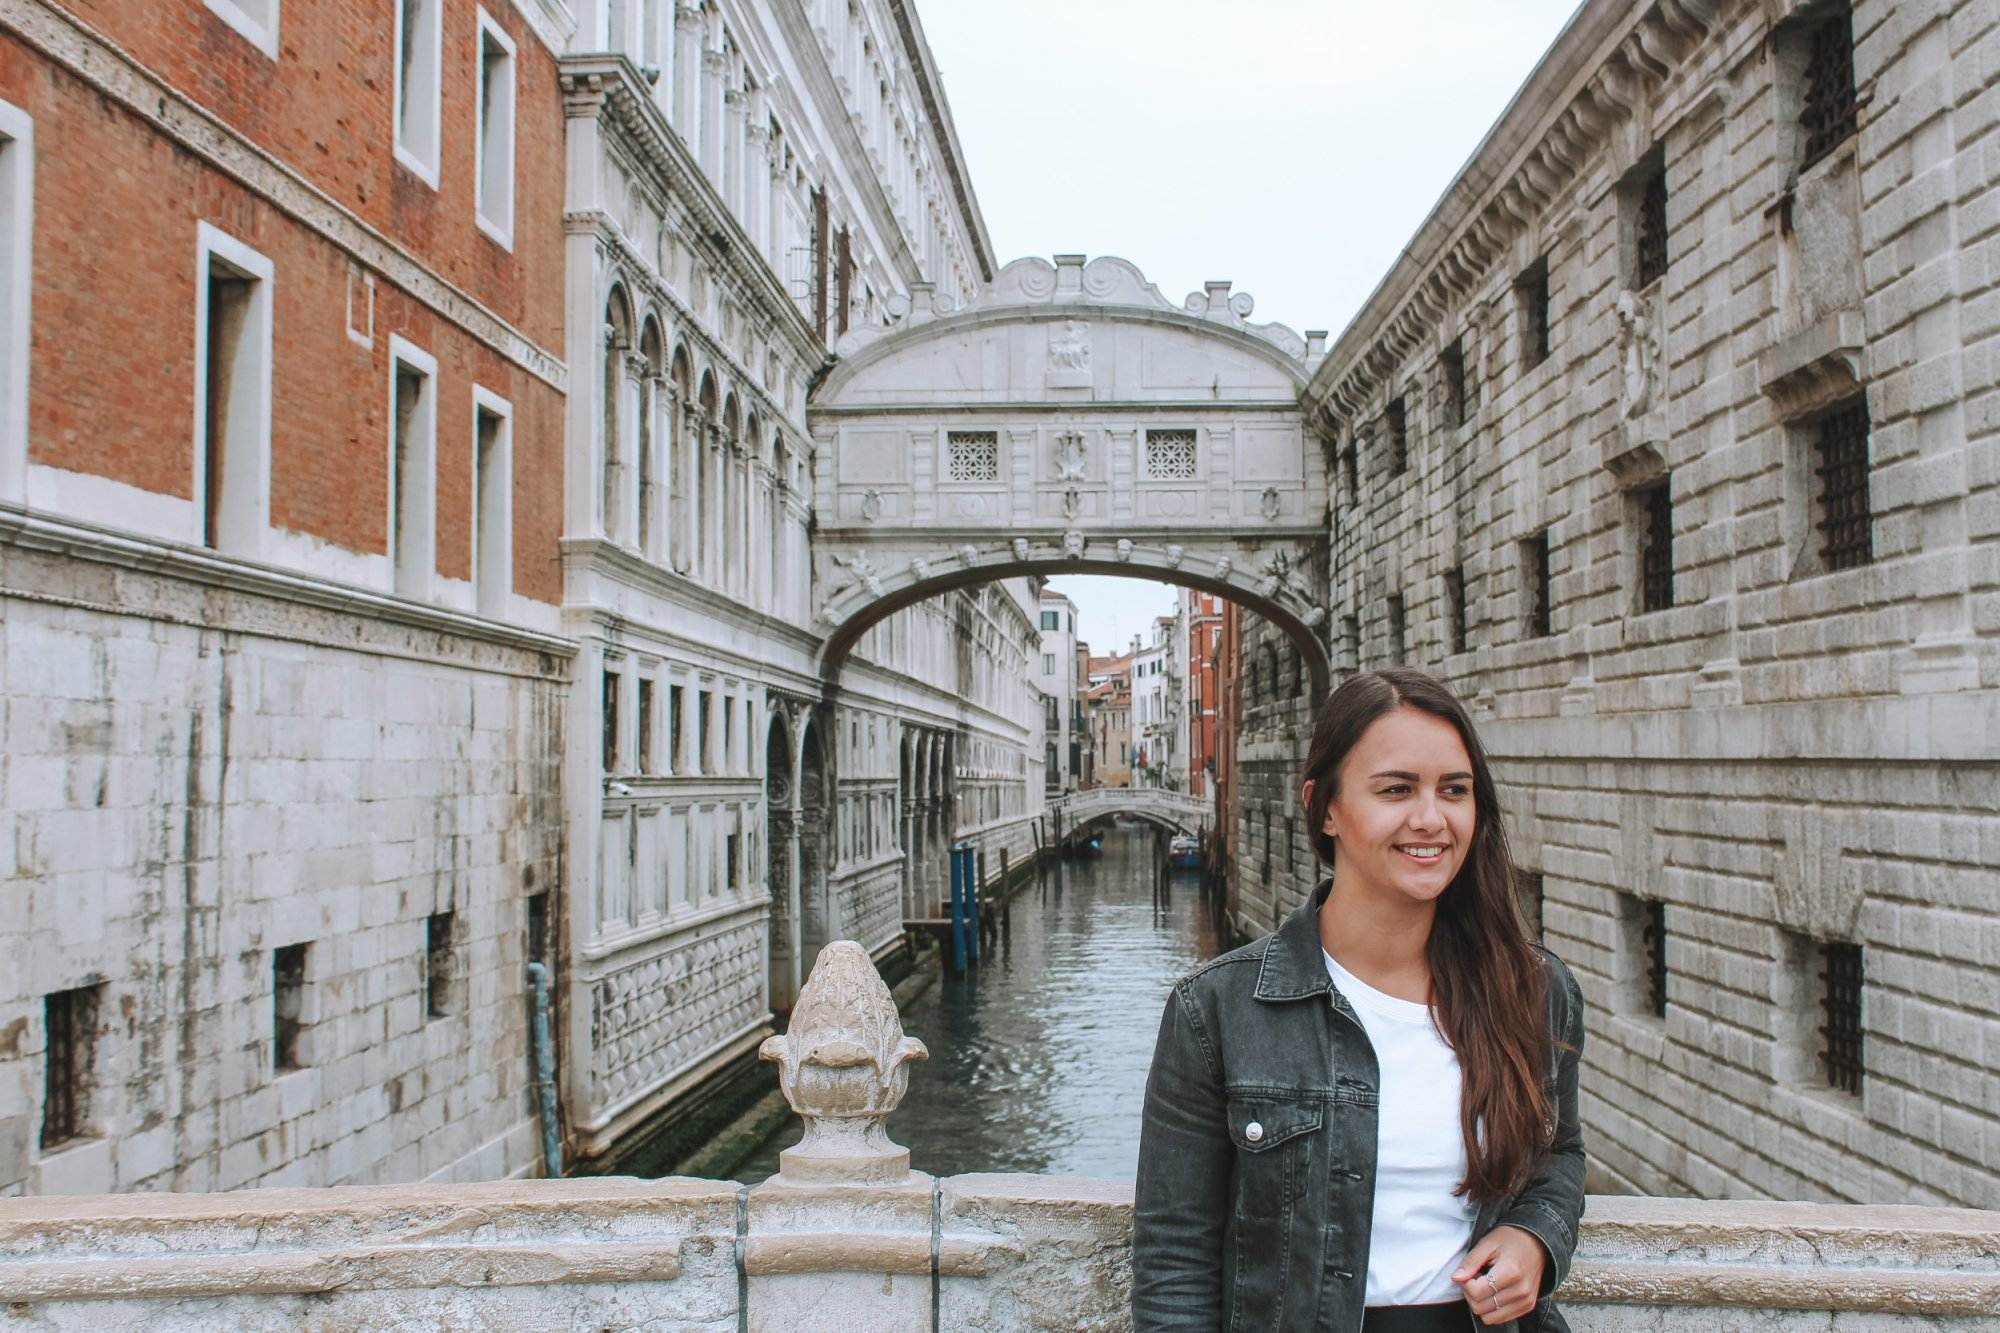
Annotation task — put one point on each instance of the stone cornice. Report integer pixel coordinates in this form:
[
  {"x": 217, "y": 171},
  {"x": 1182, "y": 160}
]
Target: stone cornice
[
  {"x": 939, "y": 112},
  {"x": 76, "y": 540},
  {"x": 609, "y": 88},
  {"x": 550, "y": 20},
  {"x": 1604, "y": 67},
  {"x": 100, "y": 64}
]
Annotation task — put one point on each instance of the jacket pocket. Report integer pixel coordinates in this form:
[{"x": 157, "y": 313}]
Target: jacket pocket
[{"x": 1273, "y": 1136}]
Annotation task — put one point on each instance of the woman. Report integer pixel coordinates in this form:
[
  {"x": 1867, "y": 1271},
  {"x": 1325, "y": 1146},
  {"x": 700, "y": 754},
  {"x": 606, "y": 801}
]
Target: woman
[{"x": 1367, "y": 1119}]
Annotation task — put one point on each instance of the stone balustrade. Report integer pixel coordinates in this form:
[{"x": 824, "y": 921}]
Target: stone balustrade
[{"x": 848, "y": 1236}]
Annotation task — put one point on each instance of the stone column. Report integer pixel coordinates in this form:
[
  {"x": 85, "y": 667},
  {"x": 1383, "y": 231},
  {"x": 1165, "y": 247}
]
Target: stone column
[
  {"x": 714, "y": 65},
  {"x": 686, "y": 86},
  {"x": 611, "y": 479},
  {"x": 630, "y": 402},
  {"x": 733, "y": 112}
]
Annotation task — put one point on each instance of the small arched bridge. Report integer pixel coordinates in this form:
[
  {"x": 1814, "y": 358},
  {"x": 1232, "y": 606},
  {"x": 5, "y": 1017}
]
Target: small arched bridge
[{"x": 1174, "y": 810}]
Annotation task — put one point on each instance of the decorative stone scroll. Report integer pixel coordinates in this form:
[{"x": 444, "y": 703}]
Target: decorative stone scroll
[{"x": 841, "y": 1065}]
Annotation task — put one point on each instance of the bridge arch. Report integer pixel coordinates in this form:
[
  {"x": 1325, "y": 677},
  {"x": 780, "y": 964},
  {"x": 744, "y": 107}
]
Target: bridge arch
[{"x": 1069, "y": 420}]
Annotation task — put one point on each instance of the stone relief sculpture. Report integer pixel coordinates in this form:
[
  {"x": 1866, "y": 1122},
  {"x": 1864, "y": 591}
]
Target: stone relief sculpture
[
  {"x": 842, "y": 1064},
  {"x": 1020, "y": 548},
  {"x": 1272, "y": 503},
  {"x": 864, "y": 571},
  {"x": 1174, "y": 554},
  {"x": 1072, "y": 457},
  {"x": 1072, "y": 503},
  {"x": 967, "y": 555},
  {"x": 1638, "y": 354},
  {"x": 1124, "y": 549},
  {"x": 921, "y": 568},
  {"x": 1069, "y": 349},
  {"x": 1073, "y": 544},
  {"x": 871, "y": 505}
]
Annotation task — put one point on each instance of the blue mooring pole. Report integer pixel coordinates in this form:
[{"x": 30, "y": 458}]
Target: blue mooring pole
[{"x": 957, "y": 909}]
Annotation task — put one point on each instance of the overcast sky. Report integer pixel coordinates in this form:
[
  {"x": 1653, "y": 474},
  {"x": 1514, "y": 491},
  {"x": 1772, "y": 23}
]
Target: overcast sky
[{"x": 1290, "y": 146}]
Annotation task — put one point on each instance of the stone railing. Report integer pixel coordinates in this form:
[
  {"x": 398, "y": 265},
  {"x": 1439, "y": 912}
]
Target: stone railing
[{"x": 847, "y": 1236}]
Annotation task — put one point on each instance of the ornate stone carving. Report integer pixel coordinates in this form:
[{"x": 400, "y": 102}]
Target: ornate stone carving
[
  {"x": 1124, "y": 550},
  {"x": 968, "y": 555},
  {"x": 842, "y": 1066},
  {"x": 921, "y": 568},
  {"x": 1069, "y": 349},
  {"x": 1072, "y": 503},
  {"x": 1272, "y": 503},
  {"x": 1638, "y": 354},
  {"x": 1072, "y": 457},
  {"x": 1073, "y": 544},
  {"x": 871, "y": 505},
  {"x": 864, "y": 571},
  {"x": 1223, "y": 566},
  {"x": 1174, "y": 555},
  {"x": 1020, "y": 548}
]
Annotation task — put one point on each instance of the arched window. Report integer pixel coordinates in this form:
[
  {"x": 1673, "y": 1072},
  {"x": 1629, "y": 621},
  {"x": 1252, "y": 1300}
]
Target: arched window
[
  {"x": 679, "y": 469},
  {"x": 648, "y": 444},
  {"x": 617, "y": 342}
]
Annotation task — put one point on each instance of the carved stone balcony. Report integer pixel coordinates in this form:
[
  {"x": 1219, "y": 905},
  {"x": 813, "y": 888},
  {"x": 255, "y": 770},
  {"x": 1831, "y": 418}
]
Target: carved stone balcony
[{"x": 848, "y": 1236}]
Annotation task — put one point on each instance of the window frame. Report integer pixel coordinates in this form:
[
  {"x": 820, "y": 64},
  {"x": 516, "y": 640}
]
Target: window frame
[
  {"x": 421, "y": 159},
  {"x": 497, "y": 224},
  {"x": 259, "y": 33},
  {"x": 418, "y": 582},
  {"x": 491, "y": 521},
  {"x": 17, "y": 236},
  {"x": 241, "y": 525}
]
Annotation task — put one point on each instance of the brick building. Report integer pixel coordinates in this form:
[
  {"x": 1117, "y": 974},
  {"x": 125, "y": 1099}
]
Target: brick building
[
  {"x": 1669, "y": 441},
  {"x": 283, "y": 321},
  {"x": 1201, "y": 614}
]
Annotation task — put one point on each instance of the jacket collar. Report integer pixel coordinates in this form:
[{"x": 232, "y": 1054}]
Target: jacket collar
[{"x": 1294, "y": 966}]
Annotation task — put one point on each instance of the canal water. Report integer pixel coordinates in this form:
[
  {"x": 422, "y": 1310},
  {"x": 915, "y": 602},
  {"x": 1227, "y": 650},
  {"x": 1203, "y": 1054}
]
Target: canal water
[{"x": 1038, "y": 1057}]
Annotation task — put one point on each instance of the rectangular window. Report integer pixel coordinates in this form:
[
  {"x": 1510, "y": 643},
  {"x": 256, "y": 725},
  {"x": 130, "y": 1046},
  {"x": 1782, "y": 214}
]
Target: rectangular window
[
  {"x": 609, "y": 756},
  {"x": 538, "y": 928},
  {"x": 1535, "y": 585},
  {"x": 69, "y": 1028},
  {"x": 1649, "y": 221},
  {"x": 1048, "y": 664},
  {"x": 704, "y": 728},
  {"x": 17, "y": 209},
  {"x": 232, "y": 413},
  {"x": 1454, "y": 607},
  {"x": 256, "y": 21},
  {"x": 1397, "y": 424},
  {"x": 1051, "y": 620},
  {"x": 734, "y": 852},
  {"x": 1396, "y": 628},
  {"x": 1531, "y": 291},
  {"x": 1170, "y": 455},
  {"x": 728, "y": 734},
  {"x": 676, "y": 757},
  {"x": 493, "y": 166},
  {"x": 645, "y": 725},
  {"x": 492, "y": 503},
  {"x": 288, "y": 991},
  {"x": 1841, "y": 510},
  {"x": 1655, "y": 937},
  {"x": 1829, "y": 115},
  {"x": 412, "y": 467},
  {"x": 1350, "y": 473},
  {"x": 419, "y": 70},
  {"x": 440, "y": 972},
  {"x": 1655, "y": 507},
  {"x": 1840, "y": 979},
  {"x": 1451, "y": 366},
  {"x": 973, "y": 455}
]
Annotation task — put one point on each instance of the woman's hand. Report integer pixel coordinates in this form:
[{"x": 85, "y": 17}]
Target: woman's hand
[{"x": 1502, "y": 1275}]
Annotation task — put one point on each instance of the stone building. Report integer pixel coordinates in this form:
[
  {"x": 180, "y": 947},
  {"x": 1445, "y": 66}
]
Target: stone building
[
  {"x": 1201, "y": 613},
  {"x": 1669, "y": 441},
  {"x": 1062, "y": 691},
  {"x": 282, "y": 340}
]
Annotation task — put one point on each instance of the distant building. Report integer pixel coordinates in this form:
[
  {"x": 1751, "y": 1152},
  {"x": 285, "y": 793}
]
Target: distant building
[
  {"x": 1109, "y": 710},
  {"x": 1201, "y": 621},
  {"x": 1059, "y": 675}
]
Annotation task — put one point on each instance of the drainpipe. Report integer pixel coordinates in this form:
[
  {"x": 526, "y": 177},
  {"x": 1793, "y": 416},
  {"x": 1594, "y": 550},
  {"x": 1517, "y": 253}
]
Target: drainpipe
[{"x": 545, "y": 1070}]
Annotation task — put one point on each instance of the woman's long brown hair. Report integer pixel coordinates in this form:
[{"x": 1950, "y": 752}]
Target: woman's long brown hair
[{"x": 1489, "y": 991}]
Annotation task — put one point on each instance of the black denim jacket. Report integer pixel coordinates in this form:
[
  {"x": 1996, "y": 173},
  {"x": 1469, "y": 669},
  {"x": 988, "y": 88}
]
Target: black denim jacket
[{"x": 1272, "y": 1233}]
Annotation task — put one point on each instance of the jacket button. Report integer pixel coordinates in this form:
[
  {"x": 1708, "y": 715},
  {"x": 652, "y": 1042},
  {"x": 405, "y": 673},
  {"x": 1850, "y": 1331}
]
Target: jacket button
[{"x": 1254, "y": 1132}]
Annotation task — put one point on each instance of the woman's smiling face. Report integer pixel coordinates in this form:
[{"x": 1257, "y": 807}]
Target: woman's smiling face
[{"x": 1402, "y": 814}]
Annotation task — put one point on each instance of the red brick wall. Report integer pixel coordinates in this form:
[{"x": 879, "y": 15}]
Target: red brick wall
[{"x": 116, "y": 209}]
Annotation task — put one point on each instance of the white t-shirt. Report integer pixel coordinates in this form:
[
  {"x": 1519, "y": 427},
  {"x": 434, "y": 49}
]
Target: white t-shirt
[{"x": 1421, "y": 1230}]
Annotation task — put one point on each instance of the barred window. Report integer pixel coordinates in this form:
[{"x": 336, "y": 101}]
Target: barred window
[
  {"x": 1840, "y": 470},
  {"x": 1532, "y": 290},
  {"x": 1656, "y": 551},
  {"x": 1451, "y": 365},
  {"x": 1840, "y": 980},
  {"x": 1397, "y": 423},
  {"x": 440, "y": 974},
  {"x": 1536, "y": 587},
  {"x": 1829, "y": 115},
  {"x": 69, "y": 1025},
  {"x": 1652, "y": 227},
  {"x": 974, "y": 455},
  {"x": 1396, "y": 627},
  {"x": 1655, "y": 934},
  {"x": 1454, "y": 606},
  {"x": 1170, "y": 455}
]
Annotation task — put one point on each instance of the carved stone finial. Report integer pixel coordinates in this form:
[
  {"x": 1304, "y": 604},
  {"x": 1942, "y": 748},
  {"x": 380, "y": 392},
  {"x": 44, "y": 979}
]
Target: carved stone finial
[{"x": 841, "y": 1065}]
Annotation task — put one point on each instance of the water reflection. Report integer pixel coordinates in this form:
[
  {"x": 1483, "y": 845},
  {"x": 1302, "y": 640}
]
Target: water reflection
[{"x": 1038, "y": 1059}]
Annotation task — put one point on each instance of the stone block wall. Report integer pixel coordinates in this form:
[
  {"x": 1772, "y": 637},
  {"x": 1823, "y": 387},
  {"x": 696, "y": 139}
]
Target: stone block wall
[
  {"x": 1273, "y": 866},
  {"x": 206, "y": 766},
  {"x": 1793, "y": 756}
]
